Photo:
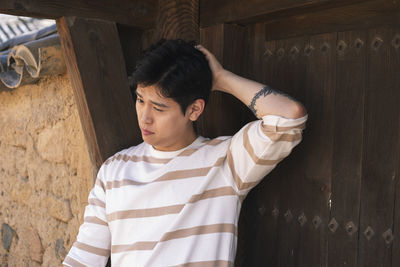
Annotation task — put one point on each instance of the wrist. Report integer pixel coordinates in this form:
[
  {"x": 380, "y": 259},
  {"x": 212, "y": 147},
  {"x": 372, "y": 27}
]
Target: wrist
[{"x": 221, "y": 81}]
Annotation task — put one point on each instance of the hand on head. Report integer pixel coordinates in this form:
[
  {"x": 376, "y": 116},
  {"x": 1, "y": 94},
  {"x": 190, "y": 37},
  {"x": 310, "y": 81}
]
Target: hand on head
[{"x": 215, "y": 66}]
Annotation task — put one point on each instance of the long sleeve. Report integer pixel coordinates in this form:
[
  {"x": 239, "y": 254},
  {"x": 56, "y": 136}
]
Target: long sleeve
[
  {"x": 92, "y": 246},
  {"x": 259, "y": 146}
]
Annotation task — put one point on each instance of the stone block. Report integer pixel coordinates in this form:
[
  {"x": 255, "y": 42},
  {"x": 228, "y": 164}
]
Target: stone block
[
  {"x": 7, "y": 234},
  {"x": 51, "y": 143},
  {"x": 35, "y": 245},
  {"x": 59, "y": 208},
  {"x": 60, "y": 249},
  {"x": 21, "y": 192}
]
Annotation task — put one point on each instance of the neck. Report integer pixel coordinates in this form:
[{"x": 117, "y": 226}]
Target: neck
[
  {"x": 181, "y": 141},
  {"x": 189, "y": 137}
]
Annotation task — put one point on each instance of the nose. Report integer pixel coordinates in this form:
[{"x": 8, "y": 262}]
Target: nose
[{"x": 146, "y": 116}]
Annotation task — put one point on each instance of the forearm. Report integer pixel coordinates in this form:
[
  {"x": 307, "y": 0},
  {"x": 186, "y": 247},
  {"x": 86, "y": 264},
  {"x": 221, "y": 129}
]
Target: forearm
[{"x": 261, "y": 99}]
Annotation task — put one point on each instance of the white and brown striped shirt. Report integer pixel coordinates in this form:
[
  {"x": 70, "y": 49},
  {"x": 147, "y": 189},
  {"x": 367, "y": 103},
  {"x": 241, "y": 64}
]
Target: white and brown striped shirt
[{"x": 180, "y": 208}]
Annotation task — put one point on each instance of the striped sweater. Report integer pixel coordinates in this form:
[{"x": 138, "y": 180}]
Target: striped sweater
[{"x": 179, "y": 208}]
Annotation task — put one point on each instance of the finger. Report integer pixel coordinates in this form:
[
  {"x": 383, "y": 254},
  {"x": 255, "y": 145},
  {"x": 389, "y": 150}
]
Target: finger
[
  {"x": 198, "y": 47},
  {"x": 203, "y": 49}
]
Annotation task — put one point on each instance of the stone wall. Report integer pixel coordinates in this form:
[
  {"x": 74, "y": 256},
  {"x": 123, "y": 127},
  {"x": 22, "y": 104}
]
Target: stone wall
[{"x": 45, "y": 173}]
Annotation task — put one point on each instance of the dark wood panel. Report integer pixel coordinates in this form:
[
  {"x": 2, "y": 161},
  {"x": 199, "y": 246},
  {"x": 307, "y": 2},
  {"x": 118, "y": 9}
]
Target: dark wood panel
[
  {"x": 267, "y": 193},
  {"x": 396, "y": 227},
  {"x": 252, "y": 11},
  {"x": 317, "y": 148},
  {"x": 357, "y": 16},
  {"x": 131, "y": 44},
  {"x": 228, "y": 114},
  {"x": 319, "y": 100},
  {"x": 347, "y": 151},
  {"x": 290, "y": 73},
  {"x": 148, "y": 37},
  {"x": 380, "y": 149},
  {"x": 100, "y": 85},
  {"x": 303, "y": 191},
  {"x": 140, "y": 13}
]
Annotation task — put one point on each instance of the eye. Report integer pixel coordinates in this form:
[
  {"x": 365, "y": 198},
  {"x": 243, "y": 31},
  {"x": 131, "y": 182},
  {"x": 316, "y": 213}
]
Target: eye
[
  {"x": 159, "y": 110},
  {"x": 139, "y": 100}
]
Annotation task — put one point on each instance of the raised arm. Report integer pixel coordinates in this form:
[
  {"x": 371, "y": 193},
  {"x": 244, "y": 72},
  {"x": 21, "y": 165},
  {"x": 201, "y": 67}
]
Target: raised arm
[{"x": 261, "y": 99}]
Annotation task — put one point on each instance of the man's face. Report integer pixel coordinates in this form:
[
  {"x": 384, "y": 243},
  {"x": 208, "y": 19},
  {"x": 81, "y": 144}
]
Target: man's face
[{"x": 161, "y": 121}]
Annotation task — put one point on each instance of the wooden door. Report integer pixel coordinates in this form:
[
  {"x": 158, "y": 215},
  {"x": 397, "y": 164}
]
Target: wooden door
[{"x": 332, "y": 202}]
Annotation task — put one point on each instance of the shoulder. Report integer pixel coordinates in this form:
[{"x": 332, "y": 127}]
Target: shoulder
[
  {"x": 212, "y": 147},
  {"x": 212, "y": 142},
  {"x": 125, "y": 154}
]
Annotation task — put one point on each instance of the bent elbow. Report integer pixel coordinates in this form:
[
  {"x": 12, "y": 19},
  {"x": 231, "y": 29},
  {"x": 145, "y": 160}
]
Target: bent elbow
[{"x": 297, "y": 111}]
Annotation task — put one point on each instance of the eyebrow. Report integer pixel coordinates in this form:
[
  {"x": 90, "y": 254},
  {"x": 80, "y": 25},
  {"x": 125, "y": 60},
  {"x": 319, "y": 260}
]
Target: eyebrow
[{"x": 155, "y": 103}]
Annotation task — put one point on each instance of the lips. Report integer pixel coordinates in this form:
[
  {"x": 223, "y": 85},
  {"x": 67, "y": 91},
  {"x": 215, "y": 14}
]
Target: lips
[{"x": 146, "y": 132}]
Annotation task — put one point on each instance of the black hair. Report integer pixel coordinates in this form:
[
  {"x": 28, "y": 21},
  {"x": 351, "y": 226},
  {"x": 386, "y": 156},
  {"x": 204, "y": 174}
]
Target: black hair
[{"x": 179, "y": 70}]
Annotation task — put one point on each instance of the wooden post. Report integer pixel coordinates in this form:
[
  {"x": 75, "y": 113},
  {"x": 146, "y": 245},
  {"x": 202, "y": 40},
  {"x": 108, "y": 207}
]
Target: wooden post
[
  {"x": 136, "y": 13},
  {"x": 97, "y": 71}
]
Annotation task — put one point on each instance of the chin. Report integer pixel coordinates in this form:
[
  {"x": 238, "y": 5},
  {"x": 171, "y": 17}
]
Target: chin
[{"x": 150, "y": 141}]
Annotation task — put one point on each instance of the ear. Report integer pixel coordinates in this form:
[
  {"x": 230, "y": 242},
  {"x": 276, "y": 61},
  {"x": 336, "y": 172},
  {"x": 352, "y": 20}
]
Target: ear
[{"x": 195, "y": 109}]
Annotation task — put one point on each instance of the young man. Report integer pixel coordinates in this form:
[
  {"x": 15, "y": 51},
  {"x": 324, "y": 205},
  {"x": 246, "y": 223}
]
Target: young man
[{"x": 174, "y": 200}]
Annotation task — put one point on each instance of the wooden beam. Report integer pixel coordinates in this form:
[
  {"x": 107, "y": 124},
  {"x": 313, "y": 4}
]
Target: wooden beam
[
  {"x": 249, "y": 11},
  {"x": 357, "y": 16},
  {"x": 177, "y": 19},
  {"x": 139, "y": 13},
  {"x": 97, "y": 71}
]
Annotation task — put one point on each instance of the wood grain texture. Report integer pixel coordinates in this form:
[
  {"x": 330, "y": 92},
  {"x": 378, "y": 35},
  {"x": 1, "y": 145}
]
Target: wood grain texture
[
  {"x": 361, "y": 15},
  {"x": 251, "y": 11},
  {"x": 148, "y": 37},
  {"x": 177, "y": 19},
  {"x": 291, "y": 72},
  {"x": 349, "y": 155},
  {"x": 140, "y": 13},
  {"x": 396, "y": 223},
  {"x": 343, "y": 143},
  {"x": 381, "y": 148},
  {"x": 97, "y": 71},
  {"x": 317, "y": 147},
  {"x": 348, "y": 143}
]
